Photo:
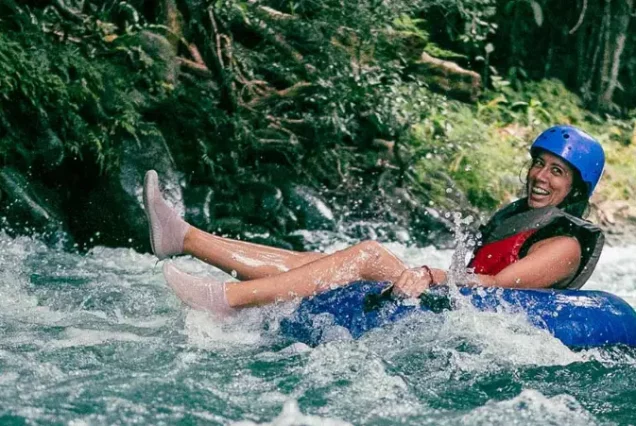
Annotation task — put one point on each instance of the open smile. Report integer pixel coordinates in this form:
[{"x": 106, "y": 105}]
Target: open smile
[{"x": 535, "y": 190}]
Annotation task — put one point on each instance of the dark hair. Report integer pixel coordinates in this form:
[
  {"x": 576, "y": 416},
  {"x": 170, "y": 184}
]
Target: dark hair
[{"x": 576, "y": 202}]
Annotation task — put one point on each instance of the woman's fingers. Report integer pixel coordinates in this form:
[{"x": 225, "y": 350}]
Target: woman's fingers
[
  {"x": 405, "y": 285},
  {"x": 411, "y": 283},
  {"x": 398, "y": 289},
  {"x": 410, "y": 286}
]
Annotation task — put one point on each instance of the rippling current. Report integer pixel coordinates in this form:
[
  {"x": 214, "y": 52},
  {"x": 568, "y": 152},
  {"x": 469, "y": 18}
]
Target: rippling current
[{"x": 99, "y": 339}]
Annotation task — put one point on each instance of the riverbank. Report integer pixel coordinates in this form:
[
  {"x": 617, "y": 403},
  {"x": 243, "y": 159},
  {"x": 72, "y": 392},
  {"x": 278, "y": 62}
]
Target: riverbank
[
  {"x": 618, "y": 221},
  {"x": 261, "y": 141}
]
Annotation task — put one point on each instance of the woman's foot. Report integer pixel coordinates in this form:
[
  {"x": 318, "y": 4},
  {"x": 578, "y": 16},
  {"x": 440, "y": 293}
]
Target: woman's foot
[
  {"x": 167, "y": 229},
  {"x": 199, "y": 293}
]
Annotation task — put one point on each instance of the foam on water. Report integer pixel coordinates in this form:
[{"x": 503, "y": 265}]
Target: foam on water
[
  {"x": 99, "y": 338},
  {"x": 291, "y": 416},
  {"x": 530, "y": 408},
  {"x": 206, "y": 332},
  {"x": 616, "y": 273},
  {"x": 73, "y": 337}
]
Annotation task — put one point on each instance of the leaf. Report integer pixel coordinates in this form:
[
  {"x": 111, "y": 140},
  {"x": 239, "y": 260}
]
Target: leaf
[
  {"x": 538, "y": 12},
  {"x": 501, "y": 99}
]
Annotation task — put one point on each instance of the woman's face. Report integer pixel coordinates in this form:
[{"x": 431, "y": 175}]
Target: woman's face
[{"x": 549, "y": 180}]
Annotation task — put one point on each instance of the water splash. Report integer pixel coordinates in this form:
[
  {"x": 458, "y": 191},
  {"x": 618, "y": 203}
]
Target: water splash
[
  {"x": 100, "y": 339},
  {"x": 291, "y": 416},
  {"x": 531, "y": 408}
]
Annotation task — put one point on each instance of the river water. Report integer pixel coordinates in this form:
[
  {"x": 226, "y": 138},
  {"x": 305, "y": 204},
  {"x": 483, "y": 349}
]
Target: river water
[{"x": 98, "y": 338}]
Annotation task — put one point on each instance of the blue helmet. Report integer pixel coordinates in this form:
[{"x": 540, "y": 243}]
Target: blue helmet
[{"x": 579, "y": 149}]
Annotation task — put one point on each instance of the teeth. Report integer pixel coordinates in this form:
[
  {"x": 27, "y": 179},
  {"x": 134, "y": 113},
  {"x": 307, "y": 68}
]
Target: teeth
[{"x": 539, "y": 191}]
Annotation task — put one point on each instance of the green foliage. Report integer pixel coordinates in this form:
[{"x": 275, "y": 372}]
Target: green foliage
[
  {"x": 618, "y": 138},
  {"x": 312, "y": 88},
  {"x": 483, "y": 151},
  {"x": 459, "y": 153},
  {"x": 37, "y": 88},
  {"x": 547, "y": 101},
  {"x": 536, "y": 105},
  {"x": 324, "y": 77},
  {"x": 89, "y": 93}
]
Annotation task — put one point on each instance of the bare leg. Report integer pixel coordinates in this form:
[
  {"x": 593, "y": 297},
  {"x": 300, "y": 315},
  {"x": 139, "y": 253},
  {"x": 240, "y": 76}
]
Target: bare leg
[
  {"x": 170, "y": 235},
  {"x": 250, "y": 261},
  {"x": 366, "y": 261}
]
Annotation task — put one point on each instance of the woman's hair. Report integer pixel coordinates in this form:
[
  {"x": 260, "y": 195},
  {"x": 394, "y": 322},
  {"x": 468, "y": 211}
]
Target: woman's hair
[{"x": 576, "y": 202}]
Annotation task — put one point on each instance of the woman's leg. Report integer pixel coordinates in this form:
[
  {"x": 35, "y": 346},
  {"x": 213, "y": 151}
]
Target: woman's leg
[
  {"x": 170, "y": 235},
  {"x": 366, "y": 261},
  {"x": 250, "y": 261}
]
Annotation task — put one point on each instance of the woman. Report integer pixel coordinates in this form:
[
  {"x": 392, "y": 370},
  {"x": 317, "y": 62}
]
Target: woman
[{"x": 537, "y": 242}]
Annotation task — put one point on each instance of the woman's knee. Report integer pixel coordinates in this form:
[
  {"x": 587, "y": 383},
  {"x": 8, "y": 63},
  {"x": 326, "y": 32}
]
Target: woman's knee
[{"x": 370, "y": 248}]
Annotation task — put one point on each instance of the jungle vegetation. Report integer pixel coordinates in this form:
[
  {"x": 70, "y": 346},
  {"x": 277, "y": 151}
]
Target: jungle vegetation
[{"x": 438, "y": 96}]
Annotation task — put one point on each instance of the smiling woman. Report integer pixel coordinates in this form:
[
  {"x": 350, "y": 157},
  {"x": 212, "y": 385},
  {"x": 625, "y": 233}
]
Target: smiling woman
[
  {"x": 536, "y": 242},
  {"x": 549, "y": 180}
]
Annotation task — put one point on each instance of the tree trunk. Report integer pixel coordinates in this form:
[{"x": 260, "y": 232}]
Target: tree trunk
[
  {"x": 617, "y": 34},
  {"x": 172, "y": 19}
]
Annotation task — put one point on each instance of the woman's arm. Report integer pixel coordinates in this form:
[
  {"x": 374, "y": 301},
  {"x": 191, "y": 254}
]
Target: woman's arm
[{"x": 548, "y": 262}]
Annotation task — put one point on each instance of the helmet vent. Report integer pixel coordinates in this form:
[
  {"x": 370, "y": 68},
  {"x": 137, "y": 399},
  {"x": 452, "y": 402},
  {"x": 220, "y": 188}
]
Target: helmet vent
[{"x": 566, "y": 136}]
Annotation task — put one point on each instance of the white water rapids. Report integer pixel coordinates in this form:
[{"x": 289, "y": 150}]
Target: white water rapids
[{"x": 98, "y": 338}]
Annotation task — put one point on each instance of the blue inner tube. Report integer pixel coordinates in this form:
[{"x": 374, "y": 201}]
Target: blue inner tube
[{"x": 579, "y": 318}]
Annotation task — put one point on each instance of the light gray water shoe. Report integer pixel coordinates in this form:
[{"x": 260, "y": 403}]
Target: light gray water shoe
[
  {"x": 200, "y": 293},
  {"x": 167, "y": 229}
]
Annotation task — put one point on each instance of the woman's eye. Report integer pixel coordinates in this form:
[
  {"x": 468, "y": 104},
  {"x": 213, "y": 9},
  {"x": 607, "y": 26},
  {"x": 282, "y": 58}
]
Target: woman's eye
[{"x": 556, "y": 171}]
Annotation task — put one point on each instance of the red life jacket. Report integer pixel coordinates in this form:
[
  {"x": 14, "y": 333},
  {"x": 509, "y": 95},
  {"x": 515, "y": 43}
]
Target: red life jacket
[
  {"x": 507, "y": 234},
  {"x": 492, "y": 258}
]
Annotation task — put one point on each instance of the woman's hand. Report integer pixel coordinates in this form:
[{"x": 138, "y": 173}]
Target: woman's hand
[{"x": 413, "y": 282}]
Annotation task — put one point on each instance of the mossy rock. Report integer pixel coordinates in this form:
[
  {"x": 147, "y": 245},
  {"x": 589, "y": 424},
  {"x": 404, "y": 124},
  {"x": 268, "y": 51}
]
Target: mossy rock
[
  {"x": 310, "y": 208},
  {"x": 112, "y": 212},
  {"x": 30, "y": 208}
]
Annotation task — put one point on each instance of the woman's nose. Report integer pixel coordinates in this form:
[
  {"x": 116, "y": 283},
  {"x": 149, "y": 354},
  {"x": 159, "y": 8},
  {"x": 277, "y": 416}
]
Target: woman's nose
[{"x": 542, "y": 174}]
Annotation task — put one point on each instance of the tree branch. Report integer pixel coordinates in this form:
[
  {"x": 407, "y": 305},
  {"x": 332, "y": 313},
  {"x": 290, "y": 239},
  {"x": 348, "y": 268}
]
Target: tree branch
[
  {"x": 199, "y": 69},
  {"x": 285, "y": 93},
  {"x": 217, "y": 39},
  {"x": 580, "y": 21},
  {"x": 196, "y": 55},
  {"x": 272, "y": 13},
  {"x": 442, "y": 73},
  {"x": 67, "y": 12}
]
